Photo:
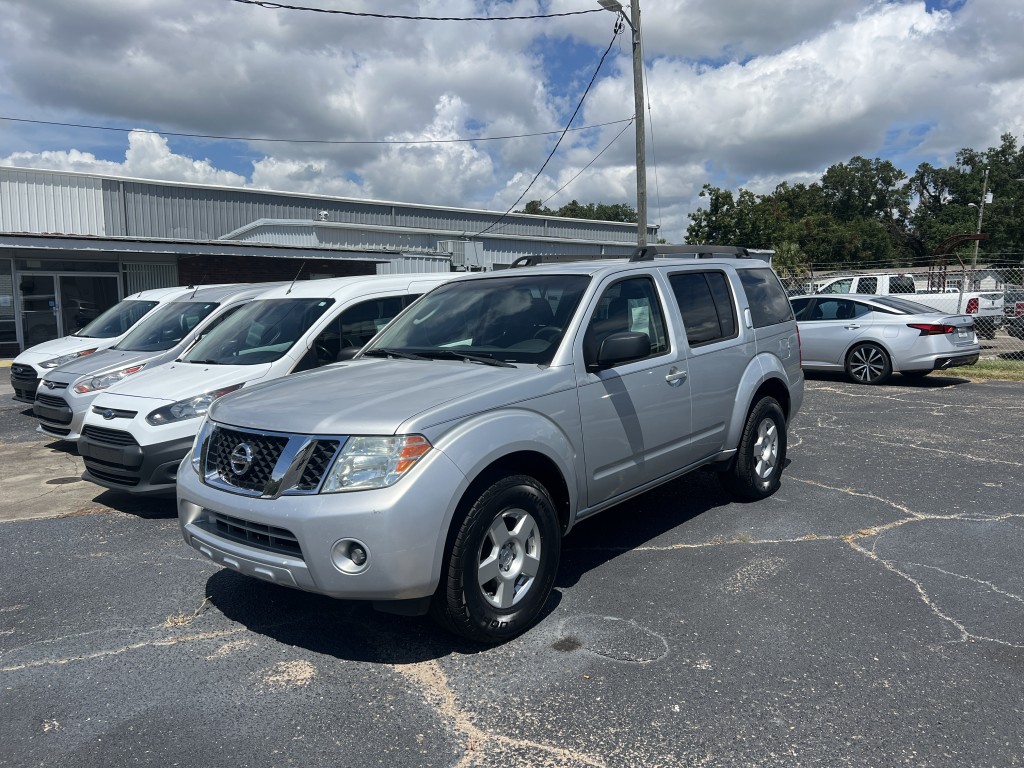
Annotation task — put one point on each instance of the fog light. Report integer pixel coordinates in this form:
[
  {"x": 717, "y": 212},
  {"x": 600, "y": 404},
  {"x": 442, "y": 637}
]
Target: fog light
[{"x": 350, "y": 556}]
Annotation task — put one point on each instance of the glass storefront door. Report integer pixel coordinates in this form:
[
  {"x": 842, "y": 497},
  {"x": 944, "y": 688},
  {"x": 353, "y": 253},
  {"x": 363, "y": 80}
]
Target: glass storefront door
[
  {"x": 39, "y": 321},
  {"x": 82, "y": 299},
  {"x": 55, "y": 305}
]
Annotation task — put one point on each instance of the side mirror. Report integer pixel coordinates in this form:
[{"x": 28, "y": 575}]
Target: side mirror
[
  {"x": 620, "y": 348},
  {"x": 347, "y": 353}
]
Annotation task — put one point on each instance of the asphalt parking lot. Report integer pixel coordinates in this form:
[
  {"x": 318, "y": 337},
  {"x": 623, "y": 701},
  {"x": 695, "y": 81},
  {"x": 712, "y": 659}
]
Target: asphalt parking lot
[{"x": 871, "y": 613}]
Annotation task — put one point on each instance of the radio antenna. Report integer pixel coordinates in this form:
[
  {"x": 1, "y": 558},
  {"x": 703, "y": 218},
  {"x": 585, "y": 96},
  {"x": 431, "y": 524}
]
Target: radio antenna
[{"x": 295, "y": 278}]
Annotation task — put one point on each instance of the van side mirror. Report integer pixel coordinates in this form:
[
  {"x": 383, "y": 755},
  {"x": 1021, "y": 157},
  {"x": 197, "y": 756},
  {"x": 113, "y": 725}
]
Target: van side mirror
[{"x": 347, "y": 353}]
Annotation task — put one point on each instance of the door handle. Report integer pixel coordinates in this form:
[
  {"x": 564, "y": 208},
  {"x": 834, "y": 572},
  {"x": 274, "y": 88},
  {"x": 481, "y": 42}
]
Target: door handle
[
  {"x": 853, "y": 327},
  {"x": 675, "y": 377}
]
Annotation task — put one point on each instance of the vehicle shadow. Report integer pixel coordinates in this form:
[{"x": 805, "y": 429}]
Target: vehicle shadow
[
  {"x": 354, "y": 631},
  {"x": 937, "y": 380},
  {"x": 145, "y": 507}
]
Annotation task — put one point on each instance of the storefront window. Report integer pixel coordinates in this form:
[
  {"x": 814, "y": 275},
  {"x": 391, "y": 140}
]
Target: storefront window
[{"x": 8, "y": 332}]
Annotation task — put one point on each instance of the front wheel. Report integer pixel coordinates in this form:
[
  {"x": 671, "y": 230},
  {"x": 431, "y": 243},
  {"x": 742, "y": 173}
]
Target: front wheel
[
  {"x": 868, "y": 364},
  {"x": 501, "y": 564},
  {"x": 756, "y": 472}
]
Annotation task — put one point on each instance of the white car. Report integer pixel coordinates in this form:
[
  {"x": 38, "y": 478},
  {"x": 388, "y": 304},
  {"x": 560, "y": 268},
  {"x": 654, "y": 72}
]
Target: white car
[
  {"x": 66, "y": 393},
  {"x": 138, "y": 431},
  {"x": 103, "y": 332}
]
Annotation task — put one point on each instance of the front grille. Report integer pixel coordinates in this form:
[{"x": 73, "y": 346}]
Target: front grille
[
  {"x": 318, "y": 462},
  {"x": 114, "y": 413},
  {"x": 109, "y": 436},
  {"x": 266, "y": 537},
  {"x": 110, "y": 477},
  {"x": 20, "y": 371},
  {"x": 266, "y": 450},
  {"x": 50, "y": 400},
  {"x": 52, "y": 430},
  {"x": 48, "y": 385}
]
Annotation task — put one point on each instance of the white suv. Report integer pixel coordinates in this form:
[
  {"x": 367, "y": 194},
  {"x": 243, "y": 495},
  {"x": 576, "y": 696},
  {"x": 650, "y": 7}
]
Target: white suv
[{"x": 440, "y": 469}]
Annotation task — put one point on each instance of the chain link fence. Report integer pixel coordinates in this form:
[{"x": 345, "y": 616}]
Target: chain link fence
[{"x": 994, "y": 296}]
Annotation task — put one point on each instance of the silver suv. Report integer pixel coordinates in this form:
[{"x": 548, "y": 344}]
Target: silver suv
[{"x": 439, "y": 469}]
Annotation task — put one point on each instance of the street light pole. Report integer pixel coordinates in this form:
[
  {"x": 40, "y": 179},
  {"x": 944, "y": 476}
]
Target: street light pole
[{"x": 633, "y": 20}]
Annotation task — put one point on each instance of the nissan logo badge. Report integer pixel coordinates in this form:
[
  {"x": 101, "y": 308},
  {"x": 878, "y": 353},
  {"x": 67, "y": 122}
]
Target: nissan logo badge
[
  {"x": 241, "y": 459},
  {"x": 107, "y": 414}
]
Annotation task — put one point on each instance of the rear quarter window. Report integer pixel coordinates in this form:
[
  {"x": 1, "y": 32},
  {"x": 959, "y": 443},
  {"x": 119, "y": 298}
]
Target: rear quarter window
[{"x": 769, "y": 304}]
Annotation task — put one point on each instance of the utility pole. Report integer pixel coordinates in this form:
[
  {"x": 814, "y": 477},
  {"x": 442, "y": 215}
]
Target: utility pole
[
  {"x": 638, "y": 105},
  {"x": 981, "y": 213}
]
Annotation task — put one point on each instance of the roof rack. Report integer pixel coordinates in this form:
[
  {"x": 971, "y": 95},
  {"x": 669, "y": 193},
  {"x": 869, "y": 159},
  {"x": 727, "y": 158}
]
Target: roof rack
[{"x": 642, "y": 253}]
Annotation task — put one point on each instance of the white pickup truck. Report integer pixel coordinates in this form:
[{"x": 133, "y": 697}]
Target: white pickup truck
[{"x": 987, "y": 308}]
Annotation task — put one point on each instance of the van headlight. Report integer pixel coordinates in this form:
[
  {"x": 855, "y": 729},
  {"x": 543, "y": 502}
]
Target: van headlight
[
  {"x": 190, "y": 408},
  {"x": 107, "y": 380},
  {"x": 374, "y": 462},
  {"x": 55, "y": 361}
]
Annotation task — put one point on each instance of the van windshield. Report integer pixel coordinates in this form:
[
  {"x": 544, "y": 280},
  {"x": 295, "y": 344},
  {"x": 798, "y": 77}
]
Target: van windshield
[
  {"x": 519, "y": 319},
  {"x": 166, "y": 326},
  {"x": 116, "y": 320},
  {"x": 261, "y": 332}
]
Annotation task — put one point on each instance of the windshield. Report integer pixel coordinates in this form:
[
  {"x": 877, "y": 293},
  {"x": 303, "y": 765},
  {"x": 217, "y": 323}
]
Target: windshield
[
  {"x": 519, "y": 319},
  {"x": 905, "y": 306},
  {"x": 166, "y": 326},
  {"x": 260, "y": 332},
  {"x": 116, "y": 320}
]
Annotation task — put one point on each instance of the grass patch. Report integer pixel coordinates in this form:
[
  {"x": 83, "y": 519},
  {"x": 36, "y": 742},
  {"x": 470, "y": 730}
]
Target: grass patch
[{"x": 988, "y": 370}]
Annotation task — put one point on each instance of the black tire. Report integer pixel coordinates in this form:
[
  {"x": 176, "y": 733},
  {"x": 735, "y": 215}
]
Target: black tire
[
  {"x": 868, "y": 364},
  {"x": 756, "y": 471},
  {"x": 511, "y": 529},
  {"x": 985, "y": 328}
]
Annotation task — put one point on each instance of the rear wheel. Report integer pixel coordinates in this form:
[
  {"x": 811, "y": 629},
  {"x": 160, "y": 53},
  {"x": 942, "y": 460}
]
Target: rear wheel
[
  {"x": 756, "y": 472},
  {"x": 868, "y": 364},
  {"x": 501, "y": 564}
]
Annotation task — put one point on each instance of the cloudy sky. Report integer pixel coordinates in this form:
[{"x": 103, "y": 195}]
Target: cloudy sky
[{"x": 742, "y": 93}]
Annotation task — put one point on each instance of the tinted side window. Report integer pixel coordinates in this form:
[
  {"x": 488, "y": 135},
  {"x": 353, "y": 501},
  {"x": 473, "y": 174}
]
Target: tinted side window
[
  {"x": 768, "y": 302},
  {"x": 353, "y": 328},
  {"x": 902, "y": 284},
  {"x": 800, "y": 307},
  {"x": 706, "y": 306},
  {"x": 867, "y": 285}
]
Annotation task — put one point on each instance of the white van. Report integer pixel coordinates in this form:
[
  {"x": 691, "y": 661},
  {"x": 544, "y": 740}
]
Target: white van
[
  {"x": 103, "y": 332},
  {"x": 138, "y": 431},
  {"x": 66, "y": 393}
]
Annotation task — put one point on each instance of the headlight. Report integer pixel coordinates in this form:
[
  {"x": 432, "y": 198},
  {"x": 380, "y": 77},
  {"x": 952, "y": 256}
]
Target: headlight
[
  {"x": 374, "y": 462},
  {"x": 53, "y": 363},
  {"x": 191, "y": 408},
  {"x": 107, "y": 380},
  {"x": 196, "y": 457}
]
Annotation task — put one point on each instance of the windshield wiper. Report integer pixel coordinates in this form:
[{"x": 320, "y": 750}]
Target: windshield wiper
[
  {"x": 385, "y": 352},
  {"x": 484, "y": 357},
  {"x": 211, "y": 361}
]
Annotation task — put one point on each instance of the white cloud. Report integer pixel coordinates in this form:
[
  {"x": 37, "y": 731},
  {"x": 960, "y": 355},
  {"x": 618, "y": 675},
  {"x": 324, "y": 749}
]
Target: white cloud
[{"x": 737, "y": 98}]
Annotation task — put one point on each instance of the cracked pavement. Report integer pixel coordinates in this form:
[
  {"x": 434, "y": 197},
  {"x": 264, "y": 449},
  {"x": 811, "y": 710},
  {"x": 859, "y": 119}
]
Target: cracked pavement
[{"x": 871, "y": 613}]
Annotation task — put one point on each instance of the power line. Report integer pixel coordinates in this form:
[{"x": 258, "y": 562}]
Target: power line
[
  {"x": 284, "y": 7},
  {"x": 594, "y": 160},
  {"x": 308, "y": 141},
  {"x": 615, "y": 33}
]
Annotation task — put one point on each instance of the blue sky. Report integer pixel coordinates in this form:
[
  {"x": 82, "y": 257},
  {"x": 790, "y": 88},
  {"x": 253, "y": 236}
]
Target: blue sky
[{"x": 736, "y": 98}]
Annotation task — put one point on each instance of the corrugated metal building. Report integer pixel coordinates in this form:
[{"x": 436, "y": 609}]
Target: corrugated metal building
[{"x": 73, "y": 244}]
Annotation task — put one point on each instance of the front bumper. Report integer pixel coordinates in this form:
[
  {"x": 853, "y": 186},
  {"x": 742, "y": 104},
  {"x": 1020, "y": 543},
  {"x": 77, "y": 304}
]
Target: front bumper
[
  {"x": 290, "y": 540},
  {"x": 114, "y": 462}
]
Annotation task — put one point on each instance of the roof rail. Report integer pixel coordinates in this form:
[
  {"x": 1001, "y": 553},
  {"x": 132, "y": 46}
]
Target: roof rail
[
  {"x": 649, "y": 252},
  {"x": 642, "y": 253}
]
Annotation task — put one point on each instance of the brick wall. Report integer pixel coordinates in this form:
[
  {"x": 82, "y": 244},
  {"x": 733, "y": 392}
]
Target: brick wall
[{"x": 205, "y": 270}]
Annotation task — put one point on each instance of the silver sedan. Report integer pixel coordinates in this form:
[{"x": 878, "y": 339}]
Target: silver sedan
[{"x": 870, "y": 337}]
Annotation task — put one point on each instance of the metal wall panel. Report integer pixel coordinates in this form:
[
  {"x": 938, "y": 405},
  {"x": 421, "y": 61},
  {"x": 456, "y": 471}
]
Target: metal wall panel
[
  {"x": 409, "y": 263},
  {"x": 31, "y": 201},
  {"x": 143, "y": 276}
]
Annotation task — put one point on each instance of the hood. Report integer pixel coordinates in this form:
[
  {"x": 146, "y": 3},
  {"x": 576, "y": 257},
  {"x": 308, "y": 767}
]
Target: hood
[
  {"x": 178, "y": 381},
  {"x": 65, "y": 345},
  {"x": 379, "y": 397},
  {"x": 104, "y": 361}
]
